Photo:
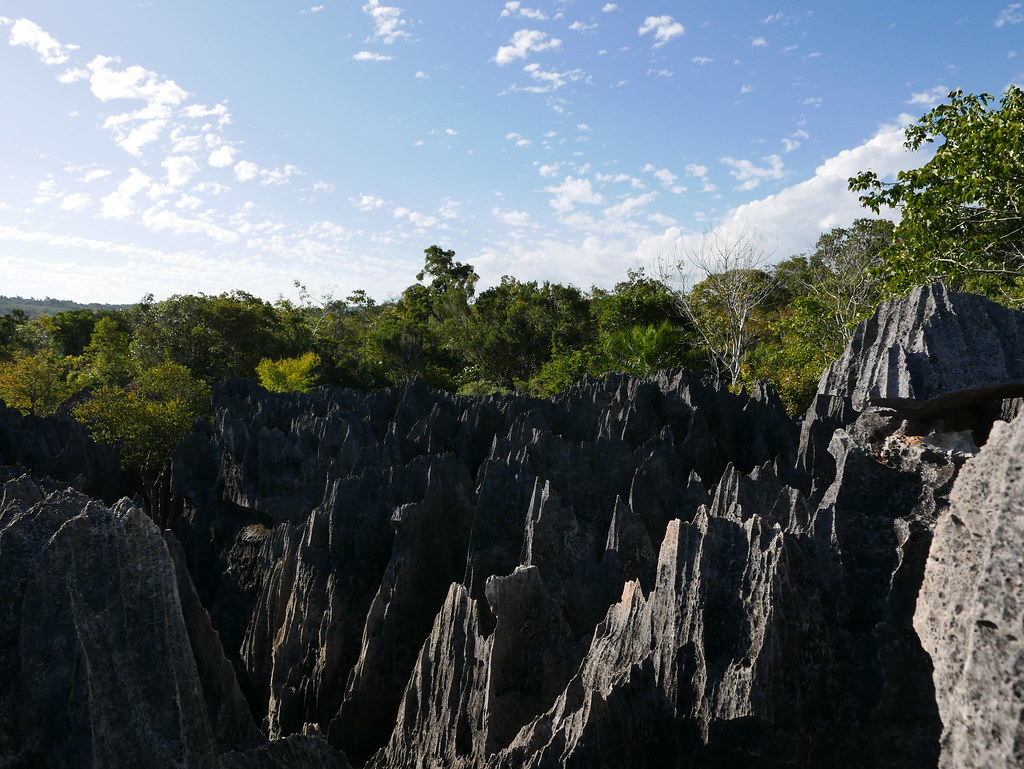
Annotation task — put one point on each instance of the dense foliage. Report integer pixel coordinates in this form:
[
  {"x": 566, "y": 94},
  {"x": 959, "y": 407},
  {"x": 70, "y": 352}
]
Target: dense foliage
[{"x": 961, "y": 211}]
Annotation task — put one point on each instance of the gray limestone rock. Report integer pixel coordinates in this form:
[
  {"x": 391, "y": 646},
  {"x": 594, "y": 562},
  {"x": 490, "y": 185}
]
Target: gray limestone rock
[
  {"x": 931, "y": 352},
  {"x": 969, "y": 611}
]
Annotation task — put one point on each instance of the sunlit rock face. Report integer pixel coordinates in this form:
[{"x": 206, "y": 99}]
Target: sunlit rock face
[{"x": 642, "y": 573}]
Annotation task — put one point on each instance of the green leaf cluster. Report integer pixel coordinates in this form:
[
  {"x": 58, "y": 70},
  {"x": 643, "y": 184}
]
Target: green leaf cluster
[
  {"x": 289, "y": 374},
  {"x": 961, "y": 211},
  {"x": 147, "y": 419}
]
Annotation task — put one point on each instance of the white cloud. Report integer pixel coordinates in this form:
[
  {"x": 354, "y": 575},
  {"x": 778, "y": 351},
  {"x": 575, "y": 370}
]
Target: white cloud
[
  {"x": 180, "y": 168},
  {"x": 629, "y": 206},
  {"x": 78, "y": 201},
  {"x": 1012, "y": 14},
  {"x": 772, "y": 18},
  {"x": 664, "y": 28},
  {"x": 188, "y": 202},
  {"x": 220, "y": 111},
  {"x": 73, "y": 76},
  {"x": 759, "y": 42},
  {"x": 323, "y": 187},
  {"x": 788, "y": 145},
  {"x": 513, "y": 218},
  {"x": 421, "y": 75},
  {"x": 931, "y": 97},
  {"x": 550, "y": 80},
  {"x": 314, "y": 9},
  {"x": 699, "y": 171},
  {"x": 608, "y": 7},
  {"x": 138, "y": 137},
  {"x": 246, "y": 170},
  {"x": 159, "y": 219},
  {"x": 367, "y": 202},
  {"x": 520, "y": 140},
  {"x": 746, "y": 88},
  {"x": 278, "y": 175},
  {"x": 750, "y": 175},
  {"x": 813, "y": 101},
  {"x": 120, "y": 204},
  {"x": 387, "y": 21},
  {"x": 571, "y": 192},
  {"x": 95, "y": 175},
  {"x": 792, "y": 219},
  {"x": 371, "y": 56},
  {"x": 211, "y": 187},
  {"x": 451, "y": 132},
  {"x": 701, "y": 60},
  {"x": 666, "y": 177},
  {"x": 549, "y": 170},
  {"x": 516, "y": 9},
  {"x": 579, "y": 26},
  {"x": 222, "y": 157},
  {"x": 25, "y": 32},
  {"x": 418, "y": 219},
  {"x": 46, "y": 191},
  {"x": 133, "y": 82},
  {"x": 524, "y": 42}
]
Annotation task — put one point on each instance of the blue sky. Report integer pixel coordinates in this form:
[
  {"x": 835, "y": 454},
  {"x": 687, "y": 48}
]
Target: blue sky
[{"x": 194, "y": 146}]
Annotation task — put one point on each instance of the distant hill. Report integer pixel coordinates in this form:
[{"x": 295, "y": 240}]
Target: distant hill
[{"x": 35, "y": 308}]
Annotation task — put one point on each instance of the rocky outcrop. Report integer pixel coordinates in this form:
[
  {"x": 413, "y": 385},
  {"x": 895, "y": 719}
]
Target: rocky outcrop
[
  {"x": 969, "y": 615},
  {"x": 59, "y": 449},
  {"x": 933, "y": 352},
  {"x": 107, "y": 661},
  {"x": 640, "y": 572},
  {"x": 342, "y": 519}
]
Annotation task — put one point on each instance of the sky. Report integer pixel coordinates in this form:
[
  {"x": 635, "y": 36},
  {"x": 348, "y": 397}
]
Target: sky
[{"x": 215, "y": 145}]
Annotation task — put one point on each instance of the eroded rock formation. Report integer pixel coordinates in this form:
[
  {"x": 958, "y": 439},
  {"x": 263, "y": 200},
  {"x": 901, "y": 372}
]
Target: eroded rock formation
[{"x": 643, "y": 573}]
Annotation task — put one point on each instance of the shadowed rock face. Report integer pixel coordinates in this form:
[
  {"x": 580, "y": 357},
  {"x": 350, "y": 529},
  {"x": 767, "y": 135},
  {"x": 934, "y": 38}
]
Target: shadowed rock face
[{"x": 643, "y": 573}]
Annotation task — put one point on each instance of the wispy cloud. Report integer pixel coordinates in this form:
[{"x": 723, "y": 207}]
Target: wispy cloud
[
  {"x": 524, "y": 42},
  {"x": 367, "y": 202},
  {"x": 750, "y": 175},
  {"x": 666, "y": 177},
  {"x": 1012, "y": 14},
  {"x": 387, "y": 22},
  {"x": 665, "y": 28},
  {"x": 609, "y": 7},
  {"x": 516, "y": 9},
  {"x": 929, "y": 98},
  {"x": 371, "y": 56}
]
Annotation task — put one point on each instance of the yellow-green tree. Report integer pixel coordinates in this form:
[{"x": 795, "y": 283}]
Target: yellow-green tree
[
  {"x": 147, "y": 419},
  {"x": 289, "y": 374},
  {"x": 36, "y": 384}
]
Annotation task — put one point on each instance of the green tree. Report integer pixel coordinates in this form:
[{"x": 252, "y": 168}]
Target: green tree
[
  {"x": 289, "y": 374},
  {"x": 643, "y": 350},
  {"x": 107, "y": 357},
  {"x": 147, "y": 419},
  {"x": 961, "y": 211},
  {"x": 10, "y": 325},
  {"x": 215, "y": 337},
  {"x": 38, "y": 383}
]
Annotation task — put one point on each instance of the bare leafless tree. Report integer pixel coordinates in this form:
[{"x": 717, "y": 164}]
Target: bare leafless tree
[{"x": 719, "y": 284}]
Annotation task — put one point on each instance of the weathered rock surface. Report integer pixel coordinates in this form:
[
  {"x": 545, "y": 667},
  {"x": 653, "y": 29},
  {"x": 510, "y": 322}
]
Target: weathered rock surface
[
  {"x": 970, "y": 614},
  {"x": 642, "y": 573},
  {"x": 107, "y": 661},
  {"x": 932, "y": 352}
]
